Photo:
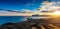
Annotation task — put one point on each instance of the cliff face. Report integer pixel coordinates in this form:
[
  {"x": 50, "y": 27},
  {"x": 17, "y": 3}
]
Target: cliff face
[{"x": 31, "y": 24}]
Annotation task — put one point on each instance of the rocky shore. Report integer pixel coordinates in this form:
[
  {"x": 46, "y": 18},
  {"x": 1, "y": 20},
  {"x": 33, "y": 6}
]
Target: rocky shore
[{"x": 31, "y": 24}]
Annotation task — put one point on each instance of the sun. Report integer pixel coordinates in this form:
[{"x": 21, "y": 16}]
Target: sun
[{"x": 56, "y": 13}]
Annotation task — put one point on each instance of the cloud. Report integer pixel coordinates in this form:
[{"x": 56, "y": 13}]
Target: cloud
[
  {"x": 34, "y": 0},
  {"x": 9, "y": 10},
  {"x": 51, "y": 6},
  {"x": 26, "y": 10},
  {"x": 55, "y": 0},
  {"x": 30, "y": 4},
  {"x": 55, "y": 4}
]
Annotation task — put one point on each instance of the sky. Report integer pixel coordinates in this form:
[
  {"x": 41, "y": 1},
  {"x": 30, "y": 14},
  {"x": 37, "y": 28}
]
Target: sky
[{"x": 20, "y": 4}]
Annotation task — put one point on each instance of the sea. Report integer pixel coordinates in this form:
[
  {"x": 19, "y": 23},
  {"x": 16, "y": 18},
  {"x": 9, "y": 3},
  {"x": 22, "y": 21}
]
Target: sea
[{"x": 12, "y": 19}]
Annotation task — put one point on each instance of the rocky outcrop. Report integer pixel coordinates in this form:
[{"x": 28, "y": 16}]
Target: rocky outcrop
[{"x": 31, "y": 24}]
